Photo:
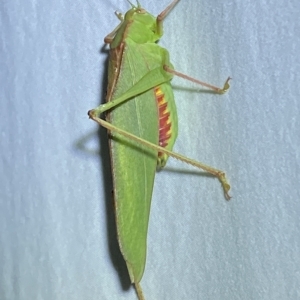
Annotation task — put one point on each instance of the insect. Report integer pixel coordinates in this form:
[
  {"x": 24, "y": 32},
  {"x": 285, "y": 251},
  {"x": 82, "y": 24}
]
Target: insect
[{"x": 142, "y": 123}]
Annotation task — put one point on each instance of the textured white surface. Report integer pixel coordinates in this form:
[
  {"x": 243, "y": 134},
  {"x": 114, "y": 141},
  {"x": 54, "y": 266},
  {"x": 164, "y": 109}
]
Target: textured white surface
[{"x": 57, "y": 237}]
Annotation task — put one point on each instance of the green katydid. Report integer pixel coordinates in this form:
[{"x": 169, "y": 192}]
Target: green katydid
[{"x": 142, "y": 123}]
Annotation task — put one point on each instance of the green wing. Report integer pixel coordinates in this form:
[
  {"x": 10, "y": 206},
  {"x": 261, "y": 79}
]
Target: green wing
[{"x": 133, "y": 165}]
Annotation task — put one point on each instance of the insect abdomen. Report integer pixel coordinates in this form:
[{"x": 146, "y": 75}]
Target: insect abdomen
[{"x": 167, "y": 116}]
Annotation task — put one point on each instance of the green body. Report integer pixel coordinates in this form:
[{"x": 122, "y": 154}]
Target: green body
[
  {"x": 133, "y": 55},
  {"x": 142, "y": 122}
]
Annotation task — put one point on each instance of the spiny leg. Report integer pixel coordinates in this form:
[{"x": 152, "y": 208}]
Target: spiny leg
[
  {"x": 139, "y": 291},
  {"x": 212, "y": 87},
  {"x": 109, "y": 38},
  {"x": 160, "y": 18},
  {"x": 218, "y": 173}
]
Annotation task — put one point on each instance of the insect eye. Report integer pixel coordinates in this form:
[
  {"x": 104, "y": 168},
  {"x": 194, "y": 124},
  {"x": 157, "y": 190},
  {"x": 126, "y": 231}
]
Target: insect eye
[{"x": 140, "y": 10}]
